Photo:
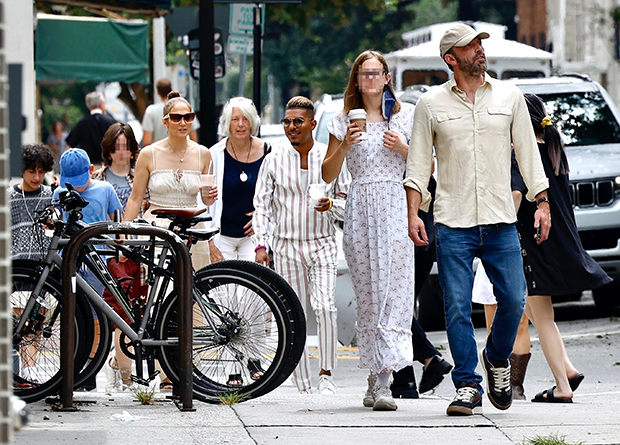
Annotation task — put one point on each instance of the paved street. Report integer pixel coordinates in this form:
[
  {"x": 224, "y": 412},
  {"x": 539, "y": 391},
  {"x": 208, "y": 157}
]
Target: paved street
[{"x": 286, "y": 417}]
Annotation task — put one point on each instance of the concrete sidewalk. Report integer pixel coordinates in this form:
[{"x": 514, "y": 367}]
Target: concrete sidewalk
[{"x": 287, "y": 417}]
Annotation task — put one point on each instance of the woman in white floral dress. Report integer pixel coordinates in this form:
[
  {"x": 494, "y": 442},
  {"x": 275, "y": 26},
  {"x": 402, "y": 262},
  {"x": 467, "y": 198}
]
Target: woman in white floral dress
[{"x": 377, "y": 248}]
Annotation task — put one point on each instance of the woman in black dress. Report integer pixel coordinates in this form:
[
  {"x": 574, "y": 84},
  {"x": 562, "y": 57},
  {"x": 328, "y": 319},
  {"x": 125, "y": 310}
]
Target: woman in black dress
[{"x": 558, "y": 266}]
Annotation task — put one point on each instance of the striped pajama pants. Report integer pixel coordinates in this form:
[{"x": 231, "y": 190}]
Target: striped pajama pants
[{"x": 310, "y": 268}]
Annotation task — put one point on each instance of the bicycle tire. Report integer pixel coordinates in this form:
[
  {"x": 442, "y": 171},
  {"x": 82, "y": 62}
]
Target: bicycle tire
[
  {"x": 279, "y": 348},
  {"x": 275, "y": 281},
  {"x": 47, "y": 380}
]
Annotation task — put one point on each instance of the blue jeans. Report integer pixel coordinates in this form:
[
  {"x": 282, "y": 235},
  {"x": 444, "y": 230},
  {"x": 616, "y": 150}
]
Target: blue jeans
[{"x": 499, "y": 249}]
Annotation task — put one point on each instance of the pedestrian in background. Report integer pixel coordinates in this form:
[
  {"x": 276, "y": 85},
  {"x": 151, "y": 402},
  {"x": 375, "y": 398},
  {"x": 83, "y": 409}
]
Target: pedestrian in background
[
  {"x": 119, "y": 151},
  {"x": 379, "y": 254},
  {"x": 88, "y": 132},
  {"x": 76, "y": 169},
  {"x": 236, "y": 161},
  {"x": 56, "y": 142},
  {"x": 28, "y": 240},
  {"x": 470, "y": 122},
  {"x": 434, "y": 366},
  {"x": 559, "y": 266},
  {"x": 304, "y": 236}
]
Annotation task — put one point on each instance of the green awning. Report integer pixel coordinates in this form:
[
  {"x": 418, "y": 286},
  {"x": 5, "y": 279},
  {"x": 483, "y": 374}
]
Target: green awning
[{"x": 92, "y": 49}]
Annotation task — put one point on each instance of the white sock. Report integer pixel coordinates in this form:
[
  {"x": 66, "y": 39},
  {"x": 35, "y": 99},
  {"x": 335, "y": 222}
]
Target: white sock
[{"x": 383, "y": 379}]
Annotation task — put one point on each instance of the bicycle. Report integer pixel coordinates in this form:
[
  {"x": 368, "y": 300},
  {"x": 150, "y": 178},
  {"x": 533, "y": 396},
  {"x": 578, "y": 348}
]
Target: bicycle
[{"x": 227, "y": 335}]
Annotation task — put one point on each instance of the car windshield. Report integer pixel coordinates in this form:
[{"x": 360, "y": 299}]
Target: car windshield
[
  {"x": 583, "y": 118},
  {"x": 322, "y": 135}
]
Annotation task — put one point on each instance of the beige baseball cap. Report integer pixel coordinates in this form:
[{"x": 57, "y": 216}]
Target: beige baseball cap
[{"x": 459, "y": 35}]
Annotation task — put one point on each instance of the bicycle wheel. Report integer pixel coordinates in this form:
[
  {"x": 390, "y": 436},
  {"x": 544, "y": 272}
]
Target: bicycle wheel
[
  {"x": 278, "y": 284},
  {"x": 100, "y": 332},
  {"x": 249, "y": 322},
  {"x": 37, "y": 352}
]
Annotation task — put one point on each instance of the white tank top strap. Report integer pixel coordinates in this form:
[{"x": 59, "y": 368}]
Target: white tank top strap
[
  {"x": 199, "y": 152},
  {"x": 153, "y": 153}
]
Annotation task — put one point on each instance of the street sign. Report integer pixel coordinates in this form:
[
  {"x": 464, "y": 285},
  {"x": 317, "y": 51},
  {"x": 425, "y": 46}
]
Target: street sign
[
  {"x": 242, "y": 19},
  {"x": 240, "y": 45}
]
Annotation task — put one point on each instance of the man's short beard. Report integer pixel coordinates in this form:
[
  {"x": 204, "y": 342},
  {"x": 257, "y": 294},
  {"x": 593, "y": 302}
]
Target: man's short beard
[
  {"x": 294, "y": 143},
  {"x": 471, "y": 68}
]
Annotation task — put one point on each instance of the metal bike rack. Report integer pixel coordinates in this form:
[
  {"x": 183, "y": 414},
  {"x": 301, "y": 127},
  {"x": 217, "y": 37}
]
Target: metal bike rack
[{"x": 183, "y": 284}]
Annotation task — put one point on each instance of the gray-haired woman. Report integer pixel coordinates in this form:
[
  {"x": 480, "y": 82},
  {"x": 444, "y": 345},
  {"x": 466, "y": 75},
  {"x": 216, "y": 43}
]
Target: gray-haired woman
[{"x": 236, "y": 161}]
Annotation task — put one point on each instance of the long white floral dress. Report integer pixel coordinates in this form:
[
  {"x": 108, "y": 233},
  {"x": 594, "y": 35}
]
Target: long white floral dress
[{"x": 376, "y": 244}]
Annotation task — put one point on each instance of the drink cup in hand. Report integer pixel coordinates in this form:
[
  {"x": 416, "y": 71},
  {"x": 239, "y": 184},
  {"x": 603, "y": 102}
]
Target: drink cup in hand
[
  {"x": 207, "y": 182},
  {"x": 358, "y": 116},
  {"x": 316, "y": 192}
]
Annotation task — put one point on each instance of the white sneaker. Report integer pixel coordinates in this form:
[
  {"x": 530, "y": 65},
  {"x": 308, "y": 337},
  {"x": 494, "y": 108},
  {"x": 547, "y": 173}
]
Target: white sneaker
[
  {"x": 305, "y": 391},
  {"x": 369, "y": 398},
  {"x": 383, "y": 399},
  {"x": 326, "y": 385},
  {"x": 111, "y": 375}
]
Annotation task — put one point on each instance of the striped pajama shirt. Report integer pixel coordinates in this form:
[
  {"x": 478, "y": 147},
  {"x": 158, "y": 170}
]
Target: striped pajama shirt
[{"x": 303, "y": 240}]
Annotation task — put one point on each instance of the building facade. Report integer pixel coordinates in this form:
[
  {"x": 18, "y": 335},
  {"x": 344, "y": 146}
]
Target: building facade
[{"x": 582, "y": 35}]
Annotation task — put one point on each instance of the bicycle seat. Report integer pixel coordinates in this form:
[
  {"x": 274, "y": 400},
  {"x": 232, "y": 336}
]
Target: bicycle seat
[{"x": 185, "y": 213}]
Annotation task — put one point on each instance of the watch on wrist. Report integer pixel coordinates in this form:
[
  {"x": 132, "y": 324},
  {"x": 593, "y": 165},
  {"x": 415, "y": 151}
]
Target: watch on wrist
[{"x": 542, "y": 199}]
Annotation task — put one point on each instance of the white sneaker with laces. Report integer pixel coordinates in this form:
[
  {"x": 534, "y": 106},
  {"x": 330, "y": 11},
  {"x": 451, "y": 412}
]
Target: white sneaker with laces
[
  {"x": 369, "y": 398},
  {"x": 111, "y": 375},
  {"x": 326, "y": 385},
  {"x": 383, "y": 399}
]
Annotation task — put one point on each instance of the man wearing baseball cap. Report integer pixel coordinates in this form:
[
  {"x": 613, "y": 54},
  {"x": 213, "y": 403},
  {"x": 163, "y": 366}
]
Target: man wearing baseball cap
[{"x": 471, "y": 121}]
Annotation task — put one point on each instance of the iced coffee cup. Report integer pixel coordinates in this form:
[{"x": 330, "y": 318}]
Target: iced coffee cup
[
  {"x": 207, "y": 182},
  {"x": 358, "y": 116}
]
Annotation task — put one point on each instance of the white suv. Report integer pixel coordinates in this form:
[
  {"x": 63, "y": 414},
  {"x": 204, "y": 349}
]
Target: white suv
[{"x": 589, "y": 124}]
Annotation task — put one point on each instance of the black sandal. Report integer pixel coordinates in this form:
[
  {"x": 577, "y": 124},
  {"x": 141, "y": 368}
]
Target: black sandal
[
  {"x": 255, "y": 368},
  {"x": 235, "y": 380}
]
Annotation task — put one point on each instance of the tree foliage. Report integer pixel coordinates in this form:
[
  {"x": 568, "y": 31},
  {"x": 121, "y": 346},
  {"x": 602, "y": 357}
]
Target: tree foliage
[{"x": 310, "y": 50}]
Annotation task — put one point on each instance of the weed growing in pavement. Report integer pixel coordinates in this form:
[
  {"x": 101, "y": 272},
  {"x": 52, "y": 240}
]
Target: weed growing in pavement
[
  {"x": 553, "y": 439},
  {"x": 231, "y": 398},
  {"x": 144, "y": 395}
]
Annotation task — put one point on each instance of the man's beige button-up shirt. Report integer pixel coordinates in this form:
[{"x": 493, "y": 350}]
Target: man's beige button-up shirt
[{"x": 472, "y": 143}]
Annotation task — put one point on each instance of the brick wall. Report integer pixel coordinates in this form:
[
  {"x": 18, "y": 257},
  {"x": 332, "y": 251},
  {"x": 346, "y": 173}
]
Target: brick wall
[{"x": 532, "y": 25}]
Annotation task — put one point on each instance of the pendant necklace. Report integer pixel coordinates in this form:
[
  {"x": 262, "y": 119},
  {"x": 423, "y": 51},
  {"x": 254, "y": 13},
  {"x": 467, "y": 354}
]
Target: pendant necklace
[
  {"x": 243, "y": 176},
  {"x": 180, "y": 157}
]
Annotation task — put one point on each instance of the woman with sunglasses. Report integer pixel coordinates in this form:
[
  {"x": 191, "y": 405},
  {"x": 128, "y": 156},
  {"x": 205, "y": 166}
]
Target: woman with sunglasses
[
  {"x": 170, "y": 170},
  {"x": 377, "y": 248},
  {"x": 236, "y": 161}
]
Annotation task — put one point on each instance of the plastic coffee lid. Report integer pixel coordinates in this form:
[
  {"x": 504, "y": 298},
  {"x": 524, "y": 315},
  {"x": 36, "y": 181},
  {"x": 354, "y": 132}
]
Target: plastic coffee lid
[{"x": 358, "y": 113}]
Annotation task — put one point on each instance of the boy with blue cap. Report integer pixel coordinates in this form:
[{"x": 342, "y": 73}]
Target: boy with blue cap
[{"x": 76, "y": 169}]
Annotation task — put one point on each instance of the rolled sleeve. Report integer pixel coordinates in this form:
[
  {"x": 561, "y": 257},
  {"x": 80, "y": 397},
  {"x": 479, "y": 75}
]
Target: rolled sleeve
[
  {"x": 527, "y": 153},
  {"x": 340, "y": 193},
  {"x": 420, "y": 157}
]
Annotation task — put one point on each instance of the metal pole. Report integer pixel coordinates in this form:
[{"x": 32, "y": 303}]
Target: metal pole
[
  {"x": 257, "y": 57},
  {"x": 242, "y": 75},
  {"x": 183, "y": 283},
  {"x": 208, "y": 129}
]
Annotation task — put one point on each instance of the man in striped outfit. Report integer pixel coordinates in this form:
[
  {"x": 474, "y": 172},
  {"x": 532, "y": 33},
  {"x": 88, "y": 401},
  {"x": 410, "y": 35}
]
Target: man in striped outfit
[{"x": 304, "y": 237}]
